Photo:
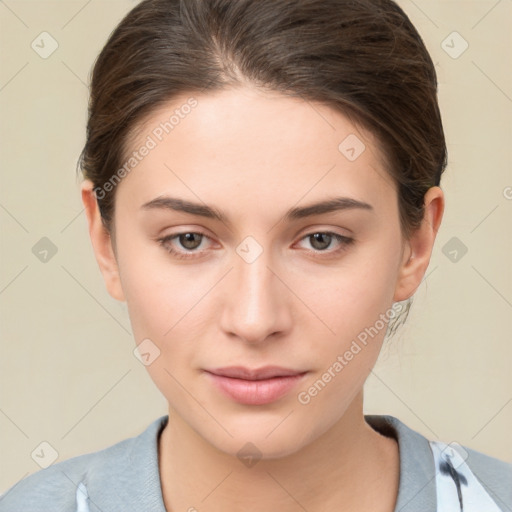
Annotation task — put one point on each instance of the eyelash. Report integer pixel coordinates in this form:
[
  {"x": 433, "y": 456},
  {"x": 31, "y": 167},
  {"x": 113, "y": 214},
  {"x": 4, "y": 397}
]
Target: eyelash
[{"x": 343, "y": 240}]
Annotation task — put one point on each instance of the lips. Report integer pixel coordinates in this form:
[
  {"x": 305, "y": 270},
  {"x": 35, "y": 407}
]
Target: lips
[
  {"x": 255, "y": 386},
  {"x": 267, "y": 372}
]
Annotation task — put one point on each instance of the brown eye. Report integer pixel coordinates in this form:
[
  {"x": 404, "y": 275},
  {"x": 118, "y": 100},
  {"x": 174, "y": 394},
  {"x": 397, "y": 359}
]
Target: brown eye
[
  {"x": 321, "y": 241},
  {"x": 188, "y": 242}
]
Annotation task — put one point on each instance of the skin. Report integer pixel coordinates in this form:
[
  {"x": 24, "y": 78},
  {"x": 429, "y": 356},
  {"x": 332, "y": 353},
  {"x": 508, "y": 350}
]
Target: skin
[{"x": 299, "y": 304}]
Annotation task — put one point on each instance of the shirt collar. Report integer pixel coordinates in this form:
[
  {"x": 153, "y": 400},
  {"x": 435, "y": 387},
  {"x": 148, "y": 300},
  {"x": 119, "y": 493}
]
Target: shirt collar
[
  {"x": 131, "y": 479},
  {"x": 135, "y": 481},
  {"x": 417, "y": 486}
]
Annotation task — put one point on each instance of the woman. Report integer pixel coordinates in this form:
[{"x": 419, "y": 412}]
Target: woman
[{"x": 262, "y": 189}]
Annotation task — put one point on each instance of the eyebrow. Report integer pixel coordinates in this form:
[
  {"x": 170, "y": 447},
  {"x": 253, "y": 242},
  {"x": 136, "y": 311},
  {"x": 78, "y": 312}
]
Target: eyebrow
[{"x": 202, "y": 210}]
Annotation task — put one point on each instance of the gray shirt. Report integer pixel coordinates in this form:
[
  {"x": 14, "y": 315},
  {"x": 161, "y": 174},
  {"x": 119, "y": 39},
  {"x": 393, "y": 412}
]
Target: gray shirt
[{"x": 125, "y": 477}]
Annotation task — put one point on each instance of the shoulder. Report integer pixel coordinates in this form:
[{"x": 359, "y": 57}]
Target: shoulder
[
  {"x": 58, "y": 487},
  {"x": 58, "y": 484},
  {"x": 494, "y": 474},
  {"x": 419, "y": 474}
]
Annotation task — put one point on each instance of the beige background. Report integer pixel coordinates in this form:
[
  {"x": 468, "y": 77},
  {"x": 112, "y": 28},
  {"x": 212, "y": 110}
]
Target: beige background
[{"x": 68, "y": 374}]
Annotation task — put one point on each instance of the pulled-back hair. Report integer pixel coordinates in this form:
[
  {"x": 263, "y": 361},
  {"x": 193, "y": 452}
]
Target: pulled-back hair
[{"x": 363, "y": 58}]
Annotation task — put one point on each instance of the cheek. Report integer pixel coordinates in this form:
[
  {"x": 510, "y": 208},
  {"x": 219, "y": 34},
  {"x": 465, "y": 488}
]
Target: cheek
[
  {"x": 354, "y": 301},
  {"x": 165, "y": 306},
  {"x": 351, "y": 297},
  {"x": 159, "y": 294},
  {"x": 356, "y": 305}
]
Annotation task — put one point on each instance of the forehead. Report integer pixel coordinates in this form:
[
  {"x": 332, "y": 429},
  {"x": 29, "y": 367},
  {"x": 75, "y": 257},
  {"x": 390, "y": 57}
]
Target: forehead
[{"x": 245, "y": 140}]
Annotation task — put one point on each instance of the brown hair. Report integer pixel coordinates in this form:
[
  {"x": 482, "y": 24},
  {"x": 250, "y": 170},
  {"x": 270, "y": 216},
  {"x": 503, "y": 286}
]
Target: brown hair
[{"x": 361, "y": 57}]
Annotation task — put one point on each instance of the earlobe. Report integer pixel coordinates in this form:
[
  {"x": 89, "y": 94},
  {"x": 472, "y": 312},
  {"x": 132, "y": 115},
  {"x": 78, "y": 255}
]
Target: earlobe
[
  {"x": 101, "y": 242},
  {"x": 418, "y": 249}
]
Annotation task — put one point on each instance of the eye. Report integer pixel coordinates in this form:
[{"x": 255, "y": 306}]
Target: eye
[
  {"x": 189, "y": 240},
  {"x": 321, "y": 240}
]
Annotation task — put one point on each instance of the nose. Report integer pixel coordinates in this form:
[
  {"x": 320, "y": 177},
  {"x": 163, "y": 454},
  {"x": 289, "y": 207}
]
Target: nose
[{"x": 256, "y": 302}]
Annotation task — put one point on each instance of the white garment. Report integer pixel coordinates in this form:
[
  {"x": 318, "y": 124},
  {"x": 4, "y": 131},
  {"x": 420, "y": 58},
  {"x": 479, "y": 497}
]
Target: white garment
[
  {"x": 82, "y": 498},
  {"x": 458, "y": 490}
]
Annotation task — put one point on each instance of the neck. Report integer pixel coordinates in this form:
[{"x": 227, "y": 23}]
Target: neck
[{"x": 350, "y": 464}]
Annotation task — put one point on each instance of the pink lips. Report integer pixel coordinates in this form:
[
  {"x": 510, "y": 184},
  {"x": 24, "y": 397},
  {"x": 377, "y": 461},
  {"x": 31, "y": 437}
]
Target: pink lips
[{"x": 255, "y": 387}]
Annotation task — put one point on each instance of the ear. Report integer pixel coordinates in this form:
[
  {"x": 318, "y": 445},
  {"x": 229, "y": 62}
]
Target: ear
[
  {"x": 418, "y": 248},
  {"x": 101, "y": 242}
]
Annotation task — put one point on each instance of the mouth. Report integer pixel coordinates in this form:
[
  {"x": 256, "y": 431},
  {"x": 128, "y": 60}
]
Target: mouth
[{"x": 255, "y": 386}]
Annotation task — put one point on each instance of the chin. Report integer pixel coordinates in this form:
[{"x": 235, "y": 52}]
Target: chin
[{"x": 258, "y": 443}]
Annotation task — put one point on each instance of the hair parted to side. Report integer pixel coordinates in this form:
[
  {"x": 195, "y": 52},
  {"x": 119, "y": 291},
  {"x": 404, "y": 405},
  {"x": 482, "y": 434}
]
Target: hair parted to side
[{"x": 363, "y": 58}]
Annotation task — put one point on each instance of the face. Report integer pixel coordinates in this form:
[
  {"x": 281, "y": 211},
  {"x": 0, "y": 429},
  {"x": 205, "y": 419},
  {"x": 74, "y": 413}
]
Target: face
[{"x": 264, "y": 280}]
